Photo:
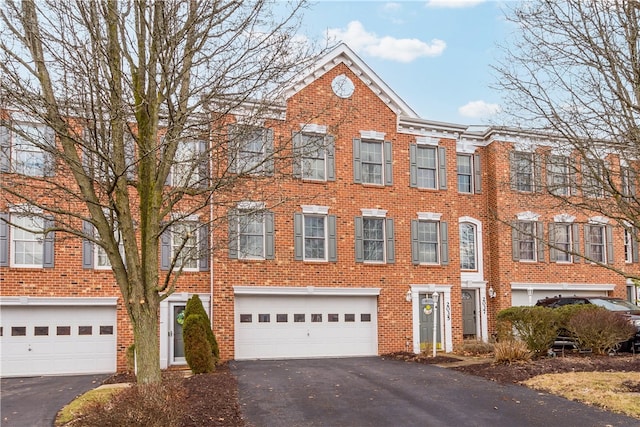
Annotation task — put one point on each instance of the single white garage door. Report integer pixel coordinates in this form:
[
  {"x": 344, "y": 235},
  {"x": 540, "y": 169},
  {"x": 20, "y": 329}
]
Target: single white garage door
[
  {"x": 286, "y": 326},
  {"x": 57, "y": 340}
]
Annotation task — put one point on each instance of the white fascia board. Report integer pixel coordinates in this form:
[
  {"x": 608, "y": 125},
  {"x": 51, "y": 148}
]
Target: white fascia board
[
  {"x": 306, "y": 290},
  {"x": 342, "y": 54},
  {"x": 563, "y": 286},
  {"x": 53, "y": 301}
]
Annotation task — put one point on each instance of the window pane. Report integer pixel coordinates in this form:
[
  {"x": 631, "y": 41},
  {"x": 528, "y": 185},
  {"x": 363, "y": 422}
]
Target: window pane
[
  {"x": 282, "y": 318},
  {"x": 27, "y": 240},
  {"x": 365, "y": 317},
  {"x": 373, "y": 239},
  {"x": 18, "y": 331},
  {"x": 426, "y": 162},
  {"x": 524, "y": 171},
  {"x": 39, "y": 331},
  {"x": 85, "y": 330},
  {"x": 245, "y": 318},
  {"x": 316, "y": 317},
  {"x": 467, "y": 247},
  {"x": 349, "y": 317},
  {"x": 251, "y": 235},
  {"x": 264, "y": 318},
  {"x": 332, "y": 317},
  {"x": 527, "y": 241},
  {"x": 371, "y": 162},
  {"x": 465, "y": 173},
  {"x": 29, "y": 159},
  {"x": 184, "y": 245},
  {"x": 298, "y": 317},
  {"x": 314, "y": 237},
  {"x": 106, "y": 330},
  {"x": 313, "y": 157},
  {"x": 428, "y": 242},
  {"x": 63, "y": 330}
]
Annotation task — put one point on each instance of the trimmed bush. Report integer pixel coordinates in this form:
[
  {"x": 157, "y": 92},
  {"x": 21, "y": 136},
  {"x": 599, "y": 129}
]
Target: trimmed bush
[
  {"x": 475, "y": 347},
  {"x": 511, "y": 351},
  {"x": 599, "y": 329},
  {"x": 197, "y": 349},
  {"x": 194, "y": 306},
  {"x": 536, "y": 326}
]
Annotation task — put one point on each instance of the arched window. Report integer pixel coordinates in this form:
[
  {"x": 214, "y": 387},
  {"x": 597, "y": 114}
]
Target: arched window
[{"x": 468, "y": 247}]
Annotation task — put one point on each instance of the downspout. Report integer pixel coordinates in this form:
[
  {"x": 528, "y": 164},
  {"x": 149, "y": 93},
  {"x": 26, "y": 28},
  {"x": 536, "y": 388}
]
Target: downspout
[{"x": 211, "y": 240}]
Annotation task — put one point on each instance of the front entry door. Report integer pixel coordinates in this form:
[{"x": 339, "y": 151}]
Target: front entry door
[
  {"x": 469, "y": 314},
  {"x": 176, "y": 343},
  {"x": 427, "y": 315}
]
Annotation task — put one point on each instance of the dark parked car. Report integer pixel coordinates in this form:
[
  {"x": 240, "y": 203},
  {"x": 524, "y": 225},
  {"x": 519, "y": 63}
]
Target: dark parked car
[{"x": 623, "y": 307}]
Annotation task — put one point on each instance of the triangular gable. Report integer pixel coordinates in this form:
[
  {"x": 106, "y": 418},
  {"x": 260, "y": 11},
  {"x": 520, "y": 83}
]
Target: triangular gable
[{"x": 342, "y": 54}]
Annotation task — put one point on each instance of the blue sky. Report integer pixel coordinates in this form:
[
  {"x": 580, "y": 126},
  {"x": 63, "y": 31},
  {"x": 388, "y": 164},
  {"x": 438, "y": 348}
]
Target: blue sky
[{"x": 435, "y": 54}]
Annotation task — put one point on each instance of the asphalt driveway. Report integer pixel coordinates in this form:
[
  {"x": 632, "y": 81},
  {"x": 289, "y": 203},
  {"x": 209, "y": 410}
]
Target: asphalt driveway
[
  {"x": 375, "y": 392},
  {"x": 35, "y": 401}
]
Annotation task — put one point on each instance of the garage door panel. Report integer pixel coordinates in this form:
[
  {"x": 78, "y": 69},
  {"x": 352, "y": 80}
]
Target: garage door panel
[
  {"x": 58, "y": 340},
  {"x": 309, "y": 326}
]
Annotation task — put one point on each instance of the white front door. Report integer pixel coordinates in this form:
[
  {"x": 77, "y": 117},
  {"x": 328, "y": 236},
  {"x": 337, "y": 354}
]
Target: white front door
[
  {"x": 288, "y": 326},
  {"x": 176, "y": 343}
]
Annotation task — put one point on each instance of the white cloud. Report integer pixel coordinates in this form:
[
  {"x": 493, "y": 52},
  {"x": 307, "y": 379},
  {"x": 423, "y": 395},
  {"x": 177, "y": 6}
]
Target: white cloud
[
  {"x": 453, "y": 3},
  {"x": 391, "y": 6},
  {"x": 401, "y": 50},
  {"x": 479, "y": 109}
]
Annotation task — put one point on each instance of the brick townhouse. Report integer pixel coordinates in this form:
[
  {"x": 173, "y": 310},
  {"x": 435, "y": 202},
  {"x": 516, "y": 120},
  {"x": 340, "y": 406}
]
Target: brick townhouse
[{"x": 388, "y": 210}]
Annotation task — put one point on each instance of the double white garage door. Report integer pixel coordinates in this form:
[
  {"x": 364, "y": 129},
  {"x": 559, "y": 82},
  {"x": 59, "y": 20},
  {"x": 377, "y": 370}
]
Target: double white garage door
[
  {"x": 57, "y": 340},
  {"x": 300, "y": 326}
]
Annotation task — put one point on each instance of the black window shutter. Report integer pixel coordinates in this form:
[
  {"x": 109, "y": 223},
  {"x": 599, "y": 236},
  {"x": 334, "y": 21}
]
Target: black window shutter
[
  {"x": 5, "y": 149},
  {"x": 333, "y": 240},
  {"x": 442, "y": 168},
  {"x": 444, "y": 243},
  {"x": 269, "y": 236},
  {"x": 359, "y": 240},
  {"x": 413, "y": 165},
  {"x": 357, "y": 166},
  {"x": 48, "y": 246},
  {"x": 165, "y": 250},
  {"x": 515, "y": 241},
  {"x": 415, "y": 243},
  {"x": 4, "y": 239},
  {"x": 298, "y": 237},
  {"x": 388, "y": 163},
  {"x": 87, "y": 245},
  {"x": 477, "y": 169},
  {"x": 203, "y": 247},
  {"x": 391, "y": 241},
  {"x": 330, "y": 147},
  {"x": 232, "y": 220}
]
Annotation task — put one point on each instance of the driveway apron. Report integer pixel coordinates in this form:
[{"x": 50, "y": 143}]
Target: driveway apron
[
  {"x": 376, "y": 392},
  {"x": 35, "y": 401}
]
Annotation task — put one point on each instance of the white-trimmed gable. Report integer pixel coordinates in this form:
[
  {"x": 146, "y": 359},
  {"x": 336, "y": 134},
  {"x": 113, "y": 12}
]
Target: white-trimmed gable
[{"x": 342, "y": 54}]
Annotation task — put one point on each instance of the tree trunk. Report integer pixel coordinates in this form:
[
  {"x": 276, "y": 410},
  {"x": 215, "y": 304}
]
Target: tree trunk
[{"x": 145, "y": 333}]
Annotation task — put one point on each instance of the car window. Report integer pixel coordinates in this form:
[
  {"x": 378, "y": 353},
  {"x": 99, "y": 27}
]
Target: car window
[{"x": 615, "y": 305}]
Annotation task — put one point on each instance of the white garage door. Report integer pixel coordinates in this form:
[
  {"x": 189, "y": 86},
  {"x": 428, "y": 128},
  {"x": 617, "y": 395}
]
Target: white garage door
[
  {"x": 57, "y": 340},
  {"x": 279, "y": 326}
]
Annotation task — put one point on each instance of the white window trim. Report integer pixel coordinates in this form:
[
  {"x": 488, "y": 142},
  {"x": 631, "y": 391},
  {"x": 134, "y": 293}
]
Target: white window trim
[
  {"x": 438, "y": 242},
  {"x": 430, "y": 141},
  {"x": 378, "y": 213},
  {"x": 325, "y": 237},
  {"x": 251, "y": 211},
  {"x": 527, "y": 216},
  {"x": 12, "y": 252},
  {"x": 599, "y": 220},
  {"x": 478, "y": 274},
  {"x": 572, "y": 244},
  {"x": 564, "y": 218},
  {"x": 197, "y": 242},
  {"x": 429, "y": 216},
  {"x": 251, "y": 206},
  {"x": 313, "y": 128},
  {"x": 315, "y": 209},
  {"x": 370, "y": 135},
  {"x": 628, "y": 247}
]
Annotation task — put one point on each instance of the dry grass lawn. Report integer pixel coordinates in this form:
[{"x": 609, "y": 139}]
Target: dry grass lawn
[{"x": 613, "y": 391}]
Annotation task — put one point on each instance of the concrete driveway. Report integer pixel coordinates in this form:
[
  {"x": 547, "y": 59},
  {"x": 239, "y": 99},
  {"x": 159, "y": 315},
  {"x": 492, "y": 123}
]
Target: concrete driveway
[
  {"x": 375, "y": 392},
  {"x": 35, "y": 401}
]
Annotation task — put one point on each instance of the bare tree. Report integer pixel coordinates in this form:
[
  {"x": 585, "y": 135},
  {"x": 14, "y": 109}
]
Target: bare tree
[
  {"x": 571, "y": 73},
  {"x": 132, "y": 96}
]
